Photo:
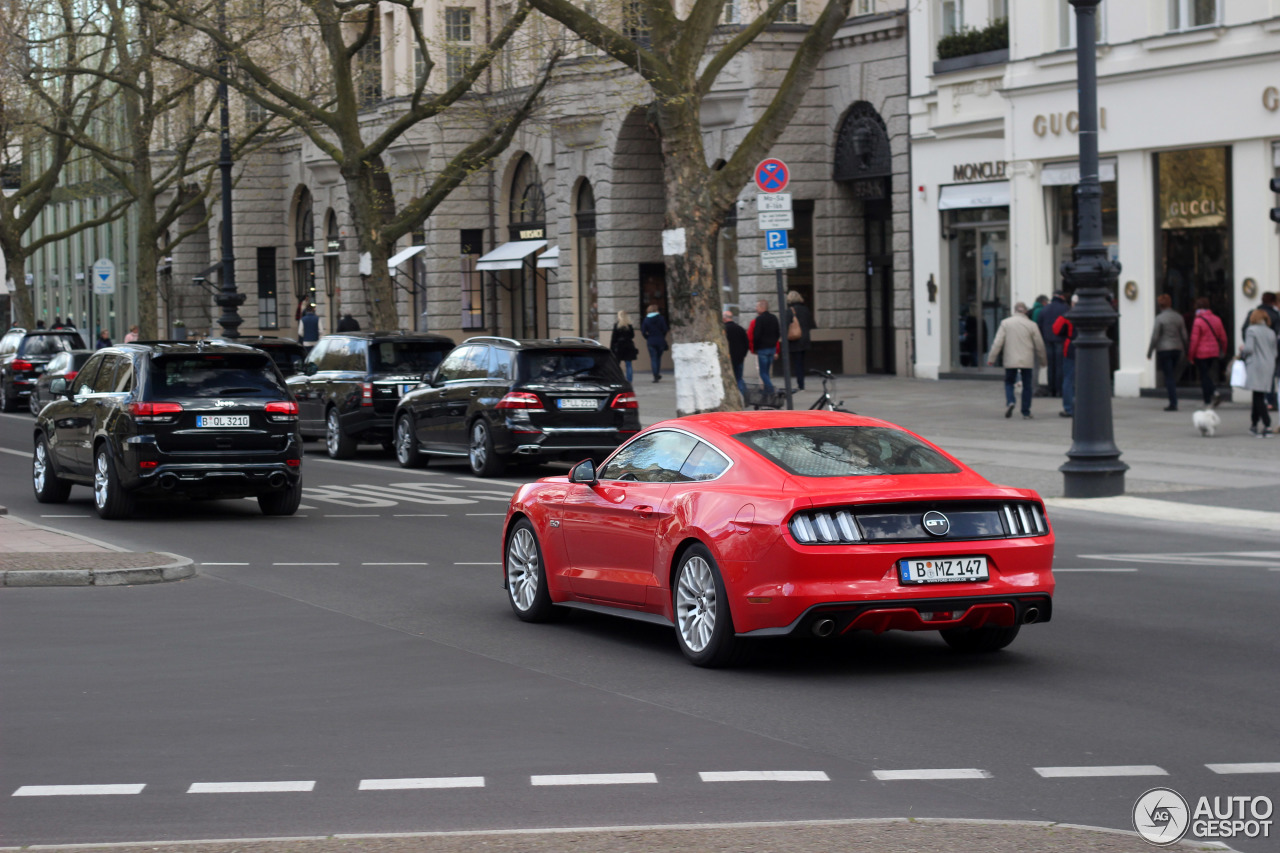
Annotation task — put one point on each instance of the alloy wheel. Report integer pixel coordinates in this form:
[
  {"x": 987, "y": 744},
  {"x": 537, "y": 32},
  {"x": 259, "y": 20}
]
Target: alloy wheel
[
  {"x": 479, "y": 451},
  {"x": 41, "y": 472},
  {"x": 696, "y": 603},
  {"x": 101, "y": 480},
  {"x": 331, "y": 436},
  {"x": 522, "y": 568},
  {"x": 404, "y": 441}
]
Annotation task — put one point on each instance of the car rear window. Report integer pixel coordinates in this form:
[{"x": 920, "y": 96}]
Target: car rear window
[
  {"x": 407, "y": 356},
  {"x": 51, "y": 344},
  {"x": 846, "y": 451},
  {"x": 212, "y": 375},
  {"x": 568, "y": 364}
]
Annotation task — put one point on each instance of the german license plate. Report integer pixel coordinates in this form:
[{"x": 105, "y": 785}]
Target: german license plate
[
  {"x": 943, "y": 570},
  {"x": 578, "y": 403},
  {"x": 405, "y": 389},
  {"x": 216, "y": 421}
]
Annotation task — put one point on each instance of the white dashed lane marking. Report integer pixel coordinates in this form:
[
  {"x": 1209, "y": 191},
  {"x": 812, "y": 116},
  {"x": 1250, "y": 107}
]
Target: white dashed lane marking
[
  {"x": 596, "y": 779},
  {"x": 764, "y": 776},
  {"x": 1256, "y": 767},
  {"x": 910, "y": 775},
  {"x": 1095, "y": 571},
  {"x": 477, "y": 564},
  {"x": 224, "y": 564},
  {"x": 1212, "y": 559},
  {"x": 306, "y": 564},
  {"x": 76, "y": 790},
  {"x": 1113, "y": 770},
  {"x": 250, "y": 787},
  {"x": 417, "y": 784},
  {"x": 394, "y": 564}
]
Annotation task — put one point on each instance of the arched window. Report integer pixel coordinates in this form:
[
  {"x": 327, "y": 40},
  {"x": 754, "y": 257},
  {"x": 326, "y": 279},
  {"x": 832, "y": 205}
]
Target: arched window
[
  {"x": 528, "y": 215},
  {"x": 304, "y": 247},
  {"x": 588, "y": 286},
  {"x": 528, "y": 202}
]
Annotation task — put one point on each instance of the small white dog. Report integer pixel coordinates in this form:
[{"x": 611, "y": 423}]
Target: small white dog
[{"x": 1206, "y": 420}]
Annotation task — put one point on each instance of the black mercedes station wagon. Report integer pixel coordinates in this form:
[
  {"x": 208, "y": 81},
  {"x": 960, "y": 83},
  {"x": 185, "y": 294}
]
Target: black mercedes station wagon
[
  {"x": 493, "y": 400},
  {"x": 171, "y": 419}
]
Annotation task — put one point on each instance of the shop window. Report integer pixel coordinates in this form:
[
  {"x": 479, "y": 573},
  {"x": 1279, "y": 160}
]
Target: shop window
[
  {"x": 472, "y": 280},
  {"x": 268, "y": 315},
  {"x": 1066, "y": 225},
  {"x": 1188, "y": 14}
]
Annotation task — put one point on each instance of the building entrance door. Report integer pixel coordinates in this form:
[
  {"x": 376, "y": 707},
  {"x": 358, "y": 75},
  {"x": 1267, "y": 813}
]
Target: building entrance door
[{"x": 878, "y": 230}]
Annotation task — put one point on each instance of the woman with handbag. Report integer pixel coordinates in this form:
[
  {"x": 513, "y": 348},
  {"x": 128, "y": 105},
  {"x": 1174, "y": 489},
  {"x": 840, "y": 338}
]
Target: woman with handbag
[
  {"x": 1259, "y": 354},
  {"x": 1208, "y": 344},
  {"x": 800, "y": 323},
  {"x": 623, "y": 342}
]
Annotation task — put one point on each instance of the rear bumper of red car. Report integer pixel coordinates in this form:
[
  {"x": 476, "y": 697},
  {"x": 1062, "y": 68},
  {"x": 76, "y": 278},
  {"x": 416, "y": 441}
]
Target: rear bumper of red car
[{"x": 915, "y": 614}]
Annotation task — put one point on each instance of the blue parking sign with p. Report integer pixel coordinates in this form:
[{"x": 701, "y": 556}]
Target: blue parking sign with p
[{"x": 775, "y": 240}]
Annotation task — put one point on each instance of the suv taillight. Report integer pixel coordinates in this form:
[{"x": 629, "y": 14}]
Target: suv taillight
[
  {"x": 154, "y": 412},
  {"x": 520, "y": 400},
  {"x": 281, "y": 410},
  {"x": 19, "y": 365},
  {"x": 366, "y": 394},
  {"x": 625, "y": 400}
]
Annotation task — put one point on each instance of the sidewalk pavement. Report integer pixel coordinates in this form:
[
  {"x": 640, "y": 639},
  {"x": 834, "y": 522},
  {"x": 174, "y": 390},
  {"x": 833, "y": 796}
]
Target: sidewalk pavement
[
  {"x": 1173, "y": 472},
  {"x": 34, "y": 555}
]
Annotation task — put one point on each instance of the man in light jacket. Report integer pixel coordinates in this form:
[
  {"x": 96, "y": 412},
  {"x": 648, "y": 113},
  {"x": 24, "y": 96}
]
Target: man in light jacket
[{"x": 1023, "y": 345}]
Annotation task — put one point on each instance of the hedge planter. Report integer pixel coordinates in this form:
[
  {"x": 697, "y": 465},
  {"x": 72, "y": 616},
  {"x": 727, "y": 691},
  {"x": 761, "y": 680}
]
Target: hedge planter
[{"x": 973, "y": 60}]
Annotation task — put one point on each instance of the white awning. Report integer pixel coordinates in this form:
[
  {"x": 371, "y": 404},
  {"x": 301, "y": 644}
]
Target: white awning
[
  {"x": 989, "y": 194},
  {"x": 403, "y": 255},
  {"x": 550, "y": 259},
  {"x": 510, "y": 256},
  {"x": 1068, "y": 174}
]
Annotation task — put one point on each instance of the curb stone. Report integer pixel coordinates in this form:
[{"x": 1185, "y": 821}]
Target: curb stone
[{"x": 180, "y": 568}]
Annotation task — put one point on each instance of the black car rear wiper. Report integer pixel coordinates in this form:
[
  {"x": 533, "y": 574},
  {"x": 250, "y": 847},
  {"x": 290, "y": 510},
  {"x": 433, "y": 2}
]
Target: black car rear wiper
[{"x": 232, "y": 391}]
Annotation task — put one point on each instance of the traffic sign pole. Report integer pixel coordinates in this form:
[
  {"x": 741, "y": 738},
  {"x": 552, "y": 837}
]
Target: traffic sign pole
[{"x": 772, "y": 177}]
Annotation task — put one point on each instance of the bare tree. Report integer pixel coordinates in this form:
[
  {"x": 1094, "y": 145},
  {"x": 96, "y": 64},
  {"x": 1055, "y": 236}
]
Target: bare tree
[
  {"x": 329, "y": 111},
  {"x": 679, "y": 59}
]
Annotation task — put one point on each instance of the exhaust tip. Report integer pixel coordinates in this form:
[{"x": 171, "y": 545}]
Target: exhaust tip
[
  {"x": 1031, "y": 614},
  {"x": 168, "y": 481},
  {"x": 276, "y": 480},
  {"x": 824, "y": 627}
]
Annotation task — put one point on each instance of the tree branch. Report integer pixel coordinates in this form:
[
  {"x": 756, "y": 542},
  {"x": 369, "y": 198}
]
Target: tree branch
[{"x": 646, "y": 63}]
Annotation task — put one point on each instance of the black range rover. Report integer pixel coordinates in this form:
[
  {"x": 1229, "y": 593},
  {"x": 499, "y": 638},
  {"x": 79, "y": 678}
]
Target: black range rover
[
  {"x": 350, "y": 384},
  {"x": 496, "y": 399},
  {"x": 160, "y": 419}
]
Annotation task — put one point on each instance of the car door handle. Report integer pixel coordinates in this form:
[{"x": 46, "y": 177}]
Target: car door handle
[
  {"x": 475, "y": 392},
  {"x": 644, "y": 511}
]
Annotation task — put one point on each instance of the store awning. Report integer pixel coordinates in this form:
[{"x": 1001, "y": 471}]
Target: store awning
[
  {"x": 550, "y": 259},
  {"x": 1068, "y": 174},
  {"x": 403, "y": 255},
  {"x": 509, "y": 256},
  {"x": 989, "y": 194}
]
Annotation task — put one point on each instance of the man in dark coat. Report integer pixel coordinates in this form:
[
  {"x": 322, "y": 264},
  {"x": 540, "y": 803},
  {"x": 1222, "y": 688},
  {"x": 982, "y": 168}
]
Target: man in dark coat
[
  {"x": 348, "y": 323},
  {"x": 739, "y": 346},
  {"x": 654, "y": 328},
  {"x": 764, "y": 335},
  {"x": 310, "y": 328},
  {"x": 1053, "y": 341}
]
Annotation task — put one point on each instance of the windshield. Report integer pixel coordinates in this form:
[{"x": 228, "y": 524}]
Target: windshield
[
  {"x": 51, "y": 344},
  {"x": 416, "y": 357},
  {"x": 580, "y": 365},
  {"x": 288, "y": 360},
  {"x": 846, "y": 451},
  {"x": 215, "y": 376}
]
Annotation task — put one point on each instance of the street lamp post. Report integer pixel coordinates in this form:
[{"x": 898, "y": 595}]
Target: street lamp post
[
  {"x": 1093, "y": 468},
  {"x": 228, "y": 299}
]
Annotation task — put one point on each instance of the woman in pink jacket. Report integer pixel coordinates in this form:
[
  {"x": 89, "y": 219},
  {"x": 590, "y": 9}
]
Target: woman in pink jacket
[{"x": 1208, "y": 343}]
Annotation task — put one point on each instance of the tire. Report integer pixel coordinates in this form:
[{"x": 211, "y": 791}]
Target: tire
[
  {"x": 7, "y": 402},
  {"x": 481, "y": 457},
  {"x": 49, "y": 487},
  {"x": 704, "y": 626},
  {"x": 283, "y": 502},
  {"x": 526, "y": 575},
  {"x": 406, "y": 444},
  {"x": 109, "y": 498},
  {"x": 979, "y": 640},
  {"x": 339, "y": 444}
]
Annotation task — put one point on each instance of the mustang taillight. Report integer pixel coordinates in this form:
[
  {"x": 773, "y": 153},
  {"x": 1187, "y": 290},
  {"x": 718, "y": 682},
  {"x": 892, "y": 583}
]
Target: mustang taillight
[
  {"x": 366, "y": 394},
  {"x": 281, "y": 410},
  {"x": 1025, "y": 519},
  {"x": 19, "y": 365},
  {"x": 520, "y": 400},
  {"x": 625, "y": 400},
  {"x": 154, "y": 412},
  {"x": 825, "y": 527}
]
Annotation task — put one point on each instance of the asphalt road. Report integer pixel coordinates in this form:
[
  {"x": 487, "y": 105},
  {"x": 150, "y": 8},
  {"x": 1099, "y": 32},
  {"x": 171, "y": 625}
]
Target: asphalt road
[{"x": 368, "y": 639}]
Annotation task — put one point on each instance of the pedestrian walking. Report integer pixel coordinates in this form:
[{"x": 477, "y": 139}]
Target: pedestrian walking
[
  {"x": 1048, "y": 316},
  {"x": 764, "y": 337},
  {"x": 799, "y": 325},
  {"x": 1169, "y": 343},
  {"x": 131, "y": 335},
  {"x": 103, "y": 341},
  {"x": 1269, "y": 305},
  {"x": 1037, "y": 307},
  {"x": 1023, "y": 345},
  {"x": 348, "y": 323},
  {"x": 1065, "y": 329},
  {"x": 739, "y": 346},
  {"x": 57, "y": 323},
  {"x": 310, "y": 327},
  {"x": 39, "y": 324},
  {"x": 1259, "y": 354},
  {"x": 1207, "y": 347},
  {"x": 623, "y": 342},
  {"x": 654, "y": 328}
]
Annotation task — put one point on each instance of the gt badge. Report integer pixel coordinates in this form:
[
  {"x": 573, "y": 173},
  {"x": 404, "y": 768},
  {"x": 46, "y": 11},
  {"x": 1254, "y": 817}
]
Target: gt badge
[
  {"x": 936, "y": 524},
  {"x": 555, "y": 522}
]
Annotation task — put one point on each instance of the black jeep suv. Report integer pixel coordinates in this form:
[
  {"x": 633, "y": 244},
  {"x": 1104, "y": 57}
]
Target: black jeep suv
[
  {"x": 23, "y": 355},
  {"x": 350, "y": 384},
  {"x": 496, "y": 399},
  {"x": 159, "y": 419}
]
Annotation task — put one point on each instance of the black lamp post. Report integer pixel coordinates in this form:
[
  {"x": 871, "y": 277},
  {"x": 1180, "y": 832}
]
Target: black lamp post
[
  {"x": 227, "y": 299},
  {"x": 1093, "y": 468}
]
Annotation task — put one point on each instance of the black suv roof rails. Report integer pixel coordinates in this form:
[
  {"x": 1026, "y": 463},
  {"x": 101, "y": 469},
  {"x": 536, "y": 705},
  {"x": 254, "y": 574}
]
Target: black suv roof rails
[
  {"x": 492, "y": 338},
  {"x": 560, "y": 338}
]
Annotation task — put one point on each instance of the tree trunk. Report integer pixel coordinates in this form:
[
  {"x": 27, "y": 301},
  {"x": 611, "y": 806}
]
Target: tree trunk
[
  {"x": 15, "y": 260},
  {"x": 145, "y": 271},
  {"x": 368, "y": 206}
]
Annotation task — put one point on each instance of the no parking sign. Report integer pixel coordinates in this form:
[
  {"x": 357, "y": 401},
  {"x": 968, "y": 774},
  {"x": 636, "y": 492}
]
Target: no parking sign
[{"x": 772, "y": 176}]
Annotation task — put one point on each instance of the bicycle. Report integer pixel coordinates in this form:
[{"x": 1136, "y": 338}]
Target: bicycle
[{"x": 827, "y": 402}]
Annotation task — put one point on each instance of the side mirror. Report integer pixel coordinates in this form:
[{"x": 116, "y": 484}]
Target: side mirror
[
  {"x": 310, "y": 368},
  {"x": 584, "y": 472},
  {"x": 60, "y": 388}
]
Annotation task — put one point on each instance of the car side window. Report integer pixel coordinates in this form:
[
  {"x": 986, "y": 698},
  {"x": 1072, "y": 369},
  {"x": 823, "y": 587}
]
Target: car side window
[
  {"x": 121, "y": 376},
  {"x": 9, "y": 343},
  {"x": 355, "y": 356},
  {"x": 85, "y": 378},
  {"x": 477, "y": 364},
  {"x": 317, "y": 354},
  {"x": 102, "y": 382},
  {"x": 453, "y": 364},
  {"x": 703, "y": 463},
  {"x": 501, "y": 363},
  {"x": 654, "y": 458}
]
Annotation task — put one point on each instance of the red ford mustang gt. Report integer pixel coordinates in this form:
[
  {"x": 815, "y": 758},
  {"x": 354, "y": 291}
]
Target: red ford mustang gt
[{"x": 763, "y": 524}]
